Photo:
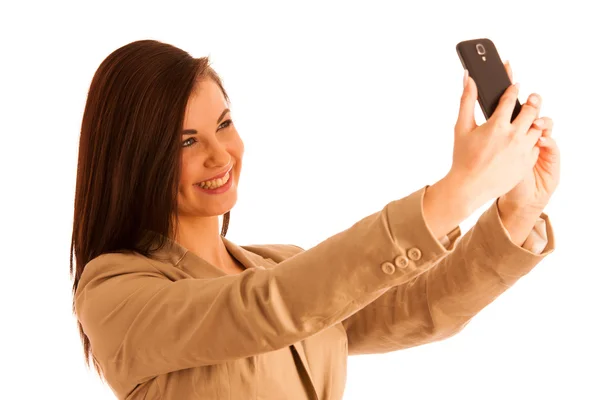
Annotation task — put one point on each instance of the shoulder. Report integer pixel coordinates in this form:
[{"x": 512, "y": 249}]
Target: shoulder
[
  {"x": 108, "y": 282},
  {"x": 112, "y": 265},
  {"x": 126, "y": 261}
]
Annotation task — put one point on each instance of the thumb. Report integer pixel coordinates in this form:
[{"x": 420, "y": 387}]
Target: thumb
[{"x": 466, "y": 113}]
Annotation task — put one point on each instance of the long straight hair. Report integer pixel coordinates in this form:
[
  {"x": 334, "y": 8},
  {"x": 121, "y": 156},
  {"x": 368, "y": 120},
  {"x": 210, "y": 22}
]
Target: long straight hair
[{"x": 129, "y": 158}]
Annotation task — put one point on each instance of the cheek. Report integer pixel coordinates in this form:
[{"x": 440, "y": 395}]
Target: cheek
[
  {"x": 238, "y": 146},
  {"x": 186, "y": 171}
]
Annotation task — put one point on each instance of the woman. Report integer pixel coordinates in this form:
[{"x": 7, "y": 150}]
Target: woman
[{"x": 168, "y": 308}]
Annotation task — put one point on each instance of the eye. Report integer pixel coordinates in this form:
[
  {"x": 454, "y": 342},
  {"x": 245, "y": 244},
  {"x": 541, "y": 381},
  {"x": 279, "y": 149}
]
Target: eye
[
  {"x": 187, "y": 143},
  {"x": 227, "y": 123}
]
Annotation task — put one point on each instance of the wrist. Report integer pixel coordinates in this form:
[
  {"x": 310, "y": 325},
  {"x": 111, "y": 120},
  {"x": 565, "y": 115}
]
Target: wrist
[
  {"x": 460, "y": 195},
  {"x": 518, "y": 226},
  {"x": 507, "y": 209}
]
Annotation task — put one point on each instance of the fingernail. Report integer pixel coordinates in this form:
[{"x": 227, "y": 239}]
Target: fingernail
[
  {"x": 466, "y": 75},
  {"x": 539, "y": 122},
  {"x": 533, "y": 99},
  {"x": 517, "y": 86},
  {"x": 542, "y": 140}
]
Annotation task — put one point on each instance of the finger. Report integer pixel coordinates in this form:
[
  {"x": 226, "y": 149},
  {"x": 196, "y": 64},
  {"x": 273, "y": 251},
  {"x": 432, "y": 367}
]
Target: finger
[
  {"x": 551, "y": 152},
  {"x": 548, "y": 142},
  {"x": 466, "y": 114},
  {"x": 508, "y": 70},
  {"x": 506, "y": 104},
  {"x": 543, "y": 142},
  {"x": 546, "y": 124},
  {"x": 529, "y": 113},
  {"x": 533, "y": 135},
  {"x": 535, "y": 153}
]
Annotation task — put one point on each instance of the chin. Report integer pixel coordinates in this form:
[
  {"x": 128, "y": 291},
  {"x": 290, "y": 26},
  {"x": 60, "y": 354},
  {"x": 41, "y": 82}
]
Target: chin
[{"x": 219, "y": 209}]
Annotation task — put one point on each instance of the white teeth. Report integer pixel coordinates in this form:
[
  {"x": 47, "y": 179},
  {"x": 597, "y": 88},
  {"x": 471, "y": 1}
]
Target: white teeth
[{"x": 214, "y": 183}]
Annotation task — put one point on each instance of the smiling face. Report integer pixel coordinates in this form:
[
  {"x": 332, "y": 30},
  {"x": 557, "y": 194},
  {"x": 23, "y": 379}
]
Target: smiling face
[{"x": 211, "y": 146}]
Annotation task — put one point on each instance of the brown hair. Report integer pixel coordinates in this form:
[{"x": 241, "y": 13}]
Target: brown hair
[{"x": 129, "y": 153}]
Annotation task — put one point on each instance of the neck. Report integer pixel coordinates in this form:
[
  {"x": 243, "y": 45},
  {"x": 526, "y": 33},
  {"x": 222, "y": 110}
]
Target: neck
[{"x": 202, "y": 236}]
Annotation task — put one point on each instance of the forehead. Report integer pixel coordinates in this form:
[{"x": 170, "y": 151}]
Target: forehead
[{"x": 205, "y": 105}]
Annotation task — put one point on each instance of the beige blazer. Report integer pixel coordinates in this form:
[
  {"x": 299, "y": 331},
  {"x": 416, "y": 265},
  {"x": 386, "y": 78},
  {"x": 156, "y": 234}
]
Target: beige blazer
[{"x": 177, "y": 327}]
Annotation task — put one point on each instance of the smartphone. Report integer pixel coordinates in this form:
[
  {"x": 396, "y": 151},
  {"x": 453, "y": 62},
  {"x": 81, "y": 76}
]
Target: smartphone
[{"x": 481, "y": 59}]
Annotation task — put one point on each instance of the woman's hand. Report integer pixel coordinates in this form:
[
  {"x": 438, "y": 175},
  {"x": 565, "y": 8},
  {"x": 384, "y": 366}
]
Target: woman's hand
[
  {"x": 490, "y": 159},
  {"x": 531, "y": 195}
]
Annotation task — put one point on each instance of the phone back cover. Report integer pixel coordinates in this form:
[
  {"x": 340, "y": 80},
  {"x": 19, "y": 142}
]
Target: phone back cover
[{"x": 489, "y": 75}]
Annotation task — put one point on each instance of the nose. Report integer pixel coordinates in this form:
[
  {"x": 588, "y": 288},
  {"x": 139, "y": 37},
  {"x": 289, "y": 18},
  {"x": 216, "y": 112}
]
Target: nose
[{"x": 218, "y": 156}]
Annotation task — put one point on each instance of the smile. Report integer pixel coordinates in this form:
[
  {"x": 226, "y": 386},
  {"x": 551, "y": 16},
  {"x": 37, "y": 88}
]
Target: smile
[{"x": 217, "y": 186}]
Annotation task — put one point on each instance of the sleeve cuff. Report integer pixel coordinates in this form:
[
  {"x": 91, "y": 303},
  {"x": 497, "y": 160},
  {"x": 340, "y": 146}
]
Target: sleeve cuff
[
  {"x": 449, "y": 240},
  {"x": 537, "y": 240},
  {"x": 420, "y": 232},
  {"x": 513, "y": 260}
]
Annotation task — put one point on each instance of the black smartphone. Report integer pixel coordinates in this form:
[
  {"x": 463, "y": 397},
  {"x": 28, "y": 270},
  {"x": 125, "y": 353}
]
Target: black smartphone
[{"x": 481, "y": 59}]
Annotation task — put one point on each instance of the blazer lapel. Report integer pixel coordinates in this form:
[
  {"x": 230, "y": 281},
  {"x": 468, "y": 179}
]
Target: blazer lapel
[{"x": 252, "y": 260}]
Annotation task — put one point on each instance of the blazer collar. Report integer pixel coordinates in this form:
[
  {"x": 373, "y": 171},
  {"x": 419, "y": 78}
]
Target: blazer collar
[{"x": 179, "y": 256}]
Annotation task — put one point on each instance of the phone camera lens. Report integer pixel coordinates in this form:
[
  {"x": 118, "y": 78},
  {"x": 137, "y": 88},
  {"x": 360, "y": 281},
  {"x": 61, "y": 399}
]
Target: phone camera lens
[{"x": 480, "y": 49}]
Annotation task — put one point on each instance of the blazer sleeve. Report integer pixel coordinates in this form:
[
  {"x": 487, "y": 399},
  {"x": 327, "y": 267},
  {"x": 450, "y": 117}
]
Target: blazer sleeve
[
  {"x": 142, "y": 324},
  {"x": 536, "y": 241},
  {"x": 440, "y": 302}
]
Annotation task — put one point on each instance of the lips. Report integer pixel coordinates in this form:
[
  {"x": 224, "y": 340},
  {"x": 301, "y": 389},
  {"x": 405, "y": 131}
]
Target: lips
[{"x": 217, "y": 176}]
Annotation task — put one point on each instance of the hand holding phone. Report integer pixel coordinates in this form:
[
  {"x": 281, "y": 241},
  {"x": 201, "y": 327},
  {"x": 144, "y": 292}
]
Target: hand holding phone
[{"x": 489, "y": 160}]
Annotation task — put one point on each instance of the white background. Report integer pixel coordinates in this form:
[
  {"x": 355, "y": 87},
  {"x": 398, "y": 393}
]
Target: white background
[{"x": 343, "y": 107}]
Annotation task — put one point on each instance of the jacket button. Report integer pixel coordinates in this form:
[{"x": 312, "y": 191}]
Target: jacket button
[
  {"x": 401, "y": 262},
  {"x": 388, "y": 268},
  {"x": 414, "y": 254}
]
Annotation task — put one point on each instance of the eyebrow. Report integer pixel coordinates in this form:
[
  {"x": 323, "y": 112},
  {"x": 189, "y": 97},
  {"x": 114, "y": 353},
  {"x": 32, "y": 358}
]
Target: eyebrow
[{"x": 193, "y": 131}]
